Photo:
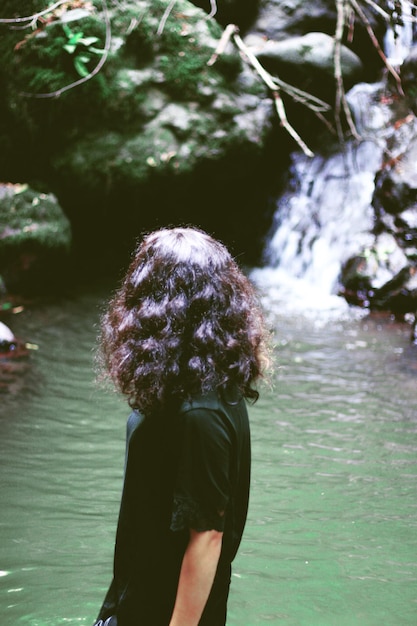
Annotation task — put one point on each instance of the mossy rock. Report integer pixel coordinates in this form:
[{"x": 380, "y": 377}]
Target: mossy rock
[
  {"x": 35, "y": 237},
  {"x": 46, "y": 61},
  {"x": 151, "y": 116}
]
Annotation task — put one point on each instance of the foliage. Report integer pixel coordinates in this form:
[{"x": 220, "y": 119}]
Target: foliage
[
  {"x": 39, "y": 61},
  {"x": 82, "y": 48}
]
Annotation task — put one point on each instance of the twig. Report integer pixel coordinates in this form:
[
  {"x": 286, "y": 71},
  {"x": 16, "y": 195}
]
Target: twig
[
  {"x": 378, "y": 9},
  {"x": 310, "y": 101},
  {"x": 266, "y": 76},
  {"x": 340, "y": 100},
  {"x": 84, "y": 79},
  {"x": 223, "y": 41},
  {"x": 165, "y": 17},
  {"x": 34, "y": 17},
  {"x": 375, "y": 42},
  {"x": 274, "y": 84},
  {"x": 279, "y": 106},
  {"x": 213, "y": 9}
]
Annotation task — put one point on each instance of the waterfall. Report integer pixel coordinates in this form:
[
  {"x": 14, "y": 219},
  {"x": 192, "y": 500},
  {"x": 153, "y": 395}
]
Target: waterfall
[
  {"x": 325, "y": 214},
  {"x": 398, "y": 41}
]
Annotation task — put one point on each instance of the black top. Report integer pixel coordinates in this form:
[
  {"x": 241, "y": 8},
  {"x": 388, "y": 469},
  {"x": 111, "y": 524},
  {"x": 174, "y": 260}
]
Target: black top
[{"x": 185, "y": 468}]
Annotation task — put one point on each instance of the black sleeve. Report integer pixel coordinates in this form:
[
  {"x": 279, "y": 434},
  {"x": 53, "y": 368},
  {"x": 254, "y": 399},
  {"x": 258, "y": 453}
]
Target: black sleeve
[{"x": 202, "y": 487}]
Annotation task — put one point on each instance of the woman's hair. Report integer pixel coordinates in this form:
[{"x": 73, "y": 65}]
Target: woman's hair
[{"x": 184, "y": 321}]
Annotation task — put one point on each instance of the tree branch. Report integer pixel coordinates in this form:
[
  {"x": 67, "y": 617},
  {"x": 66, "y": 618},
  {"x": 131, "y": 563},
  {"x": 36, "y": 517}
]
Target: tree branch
[
  {"x": 165, "y": 17},
  {"x": 274, "y": 84},
  {"x": 271, "y": 84},
  {"x": 213, "y": 9},
  {"x": 340, "y": 101},
  {"x": 375, "y": 42},
  {"x": 34, "y": 17}
]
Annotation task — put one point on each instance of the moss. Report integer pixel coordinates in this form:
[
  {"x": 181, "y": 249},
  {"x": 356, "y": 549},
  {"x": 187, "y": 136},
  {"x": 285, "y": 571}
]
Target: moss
[
  {"x": 90, "y": 159},
  {"x": 184, "y": 78},
  {"x": 44, "y": 54},
  {"x": 31, "y": 217},
  {"x": 81, "y": 132},
  {"x": 36, "y": 62}
]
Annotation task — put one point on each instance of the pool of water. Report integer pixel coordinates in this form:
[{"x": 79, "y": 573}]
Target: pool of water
[{"x": 331, "y": 538}]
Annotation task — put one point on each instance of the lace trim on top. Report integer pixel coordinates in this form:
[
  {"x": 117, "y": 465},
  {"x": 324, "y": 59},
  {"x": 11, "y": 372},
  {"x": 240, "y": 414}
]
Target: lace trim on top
[{"x": 187, "y": 513}]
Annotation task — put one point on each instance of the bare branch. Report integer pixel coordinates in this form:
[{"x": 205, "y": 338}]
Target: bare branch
[
  {"x": 279, "y": 106},
  {"x": 266, "y": 76},
  {"x": 34, "y": 17},
  {"x": 340, "y": 100},
  {"x": 213, "y": 9},
  {"x": 165, "y": 17},
  {"x": 375, "y": 42},
  {"x": 223, "y": 41},
  {"x": 274, "y": 84},
  {"x": 310, "y": 101},
  {"x": 378, "y": 9}
]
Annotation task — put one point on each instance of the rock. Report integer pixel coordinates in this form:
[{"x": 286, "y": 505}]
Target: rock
[
  {"x": 390, "y": 265},
  {"x": 8, "y": 342},
  {"x": 280, "y": 19},
  {"x": 308, "y": 61},
  {"x": 397, "y": 294},
  {"x": 408, "y": 72},
  {"x": 356, "y": 281},
  {"x": 6, "y": 334},
  {"x": 239, "y": 12},
  {"x": 35, "y": 239}
]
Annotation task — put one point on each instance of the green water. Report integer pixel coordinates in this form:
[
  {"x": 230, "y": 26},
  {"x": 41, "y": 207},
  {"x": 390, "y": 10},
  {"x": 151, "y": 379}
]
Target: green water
[{"x": 331, "y": 538}]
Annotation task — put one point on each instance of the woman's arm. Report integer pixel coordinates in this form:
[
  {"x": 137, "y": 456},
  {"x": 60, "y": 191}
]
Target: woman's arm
[{"x": 198, "y": 569}]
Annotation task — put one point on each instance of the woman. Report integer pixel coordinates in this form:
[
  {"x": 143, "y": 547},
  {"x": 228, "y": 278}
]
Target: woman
[{"x": 183, "y": 339}]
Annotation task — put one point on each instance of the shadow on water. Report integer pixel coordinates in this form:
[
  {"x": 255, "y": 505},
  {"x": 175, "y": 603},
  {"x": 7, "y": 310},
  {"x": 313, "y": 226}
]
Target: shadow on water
[{"x": 331, "y": 533}]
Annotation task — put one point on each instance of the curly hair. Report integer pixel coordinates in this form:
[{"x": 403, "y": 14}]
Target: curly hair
[{"x": 184, "y": 321}]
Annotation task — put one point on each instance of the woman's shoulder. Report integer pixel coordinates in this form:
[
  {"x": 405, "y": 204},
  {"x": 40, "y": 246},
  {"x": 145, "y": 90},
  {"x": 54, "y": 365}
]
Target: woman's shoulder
[
  {"x": 209, "y": 400},
  {"x": 223, "y": 406},
  {"x": 215, "y": 399},
  {"x": 134, "y": 421}
]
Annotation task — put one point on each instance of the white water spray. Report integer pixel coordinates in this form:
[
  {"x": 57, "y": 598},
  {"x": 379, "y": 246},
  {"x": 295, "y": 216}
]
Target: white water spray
[
  {"x": 399, "y": 41},
  {"x": 325, "y": 216}
]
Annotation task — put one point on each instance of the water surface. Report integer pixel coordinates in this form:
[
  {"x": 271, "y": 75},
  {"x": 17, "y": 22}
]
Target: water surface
[{"x": 331, "y": 538}]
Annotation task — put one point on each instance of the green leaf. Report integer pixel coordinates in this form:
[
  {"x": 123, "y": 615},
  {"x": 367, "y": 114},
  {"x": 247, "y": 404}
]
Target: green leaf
[
  {"x": 76, "y": 38},
  {"x": 88, "y": 41},
  {"x": 67, "y": 31},
  {"x": 70, "y": 48},
  {"x": 80, "y": 67},
  {"x": 96, "y": 50}
]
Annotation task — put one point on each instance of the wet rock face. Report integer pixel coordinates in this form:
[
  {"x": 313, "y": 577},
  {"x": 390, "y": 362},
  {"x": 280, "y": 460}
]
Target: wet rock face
[
  {"x": 278, "y": 20},
  {"x": 408, "y": 72},
  {"x": 395, "y": 196},
  {"x": 239, "y": 12},
  {"x": 385, "y": 277},
  {"x": 308, "y": 62}
]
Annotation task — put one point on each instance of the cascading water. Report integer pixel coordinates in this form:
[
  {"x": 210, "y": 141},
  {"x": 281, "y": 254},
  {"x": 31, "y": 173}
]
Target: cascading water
[
  {"x": 325, "y": 215},
  {"x": 398, "y": 42}
]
